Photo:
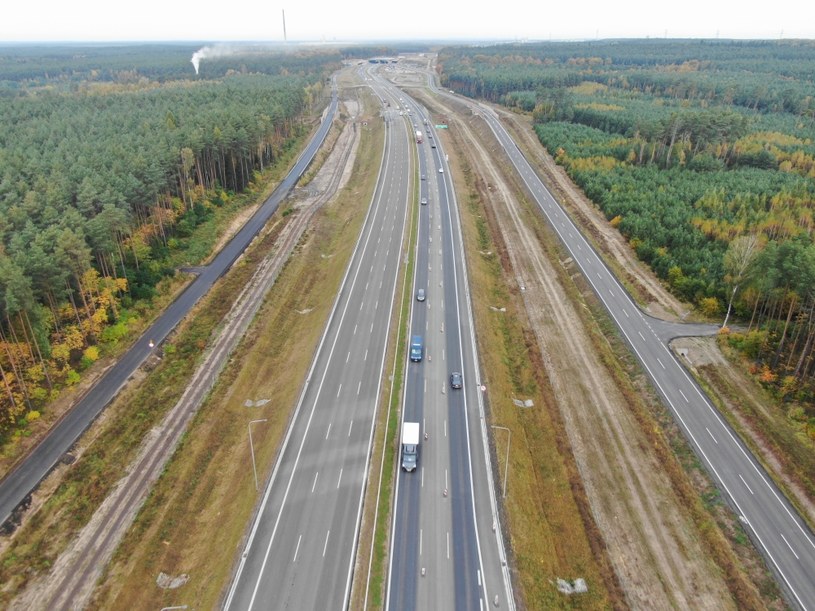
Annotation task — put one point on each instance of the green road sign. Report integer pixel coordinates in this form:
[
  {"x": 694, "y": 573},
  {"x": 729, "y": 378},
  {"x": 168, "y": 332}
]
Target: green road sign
[{"x": 441, "y": 127}]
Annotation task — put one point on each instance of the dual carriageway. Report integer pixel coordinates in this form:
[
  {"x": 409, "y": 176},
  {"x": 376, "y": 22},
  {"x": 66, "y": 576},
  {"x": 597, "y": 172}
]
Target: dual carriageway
[{"x": 446, "y": 549}]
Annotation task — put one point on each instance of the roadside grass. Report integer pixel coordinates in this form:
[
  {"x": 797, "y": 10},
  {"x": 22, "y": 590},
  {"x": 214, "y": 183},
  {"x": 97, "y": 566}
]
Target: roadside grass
[
  {"x": 698, "y": 496},
  {"x": 547, "y": 518},
  {"x": 196, "y": 518}
]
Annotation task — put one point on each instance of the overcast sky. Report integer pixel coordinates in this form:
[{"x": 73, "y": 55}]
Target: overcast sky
[{"x": 335, "y": 20}]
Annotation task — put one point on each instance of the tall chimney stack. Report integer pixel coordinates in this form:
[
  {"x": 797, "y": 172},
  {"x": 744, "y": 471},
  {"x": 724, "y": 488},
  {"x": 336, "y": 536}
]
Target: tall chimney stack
[{"x": 284, "y": 26}]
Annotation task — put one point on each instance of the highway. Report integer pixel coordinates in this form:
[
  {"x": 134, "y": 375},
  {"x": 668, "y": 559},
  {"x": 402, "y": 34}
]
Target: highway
[
  {"x": 768, "y": 518},
  {"x": 26, "y": 475},
  {"x": 446, "y": 546},
  {"x": 301, "y": 550}
]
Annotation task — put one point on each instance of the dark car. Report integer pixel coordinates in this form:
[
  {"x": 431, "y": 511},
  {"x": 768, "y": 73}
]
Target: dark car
[{"x": 455, "y": 380}]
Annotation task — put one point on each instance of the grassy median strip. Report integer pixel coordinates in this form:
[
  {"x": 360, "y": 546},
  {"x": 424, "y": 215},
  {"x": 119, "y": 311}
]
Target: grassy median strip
[{"x": 370, "y": 585}]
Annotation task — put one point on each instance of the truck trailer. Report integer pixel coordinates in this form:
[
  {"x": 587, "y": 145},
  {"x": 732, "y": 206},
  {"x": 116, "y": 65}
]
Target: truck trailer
[{"x": 410, "y": 445}]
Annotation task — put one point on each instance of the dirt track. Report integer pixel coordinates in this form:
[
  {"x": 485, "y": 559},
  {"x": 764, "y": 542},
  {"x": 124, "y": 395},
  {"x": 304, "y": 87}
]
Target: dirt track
[{"x": 652, "y": 543}]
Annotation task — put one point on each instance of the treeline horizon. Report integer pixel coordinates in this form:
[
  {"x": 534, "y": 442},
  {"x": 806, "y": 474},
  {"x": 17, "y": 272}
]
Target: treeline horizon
[{"x": 702, "y": 154}]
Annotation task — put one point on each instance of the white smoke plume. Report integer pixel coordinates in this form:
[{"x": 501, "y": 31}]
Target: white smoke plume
[
  {"x": 224, "y": 49},
  {"x": 214, "y": 51}
]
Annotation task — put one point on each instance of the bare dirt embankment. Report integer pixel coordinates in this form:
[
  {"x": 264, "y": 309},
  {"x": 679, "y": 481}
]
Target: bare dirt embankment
[{"x": 657, "y": 537}]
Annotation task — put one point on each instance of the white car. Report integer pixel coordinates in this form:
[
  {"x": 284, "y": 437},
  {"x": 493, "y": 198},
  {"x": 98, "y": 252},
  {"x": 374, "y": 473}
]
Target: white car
[{"x": 441, "y": 170}]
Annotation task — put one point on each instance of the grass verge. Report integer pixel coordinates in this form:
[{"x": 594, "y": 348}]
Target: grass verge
[{"x": 779, "y": 444}]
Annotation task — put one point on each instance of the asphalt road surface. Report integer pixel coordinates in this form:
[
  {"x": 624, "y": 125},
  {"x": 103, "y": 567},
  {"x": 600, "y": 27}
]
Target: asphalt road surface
[
  {"x": 301, "y": 550},
  {"x": 18, "y": 484},
  {"x": 769, "y": 519},
  {"x": 446, "y": 546}
]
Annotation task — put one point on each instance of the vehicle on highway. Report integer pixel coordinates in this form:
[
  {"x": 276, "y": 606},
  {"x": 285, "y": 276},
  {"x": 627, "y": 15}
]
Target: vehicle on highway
[
  {"x": 424, "y": 177},
  {"x": 455, "y": 380},
  {"x": 432, "y": 145},
  {"x": 420, "y": 295},
  {"x": 416, "y": 348},
  {"x": 441, "y": 170},
  {"x": 410, "y": 445},
  {"x": 424, "y": 201}
]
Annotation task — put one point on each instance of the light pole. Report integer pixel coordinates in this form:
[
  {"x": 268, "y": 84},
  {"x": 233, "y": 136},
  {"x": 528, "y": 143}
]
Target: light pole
[
  {"x": 252, "y": 449},
  {"x": 506, "y": 462}
]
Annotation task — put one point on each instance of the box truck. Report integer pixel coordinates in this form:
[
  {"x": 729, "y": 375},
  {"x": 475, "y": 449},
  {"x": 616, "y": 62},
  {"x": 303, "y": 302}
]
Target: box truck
[{"x": 410, "y": 445}]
